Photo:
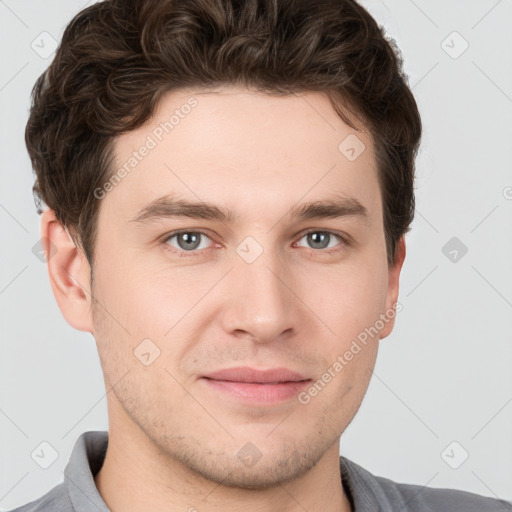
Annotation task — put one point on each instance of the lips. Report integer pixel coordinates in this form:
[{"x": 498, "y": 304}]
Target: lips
[{"x": 252, "y": 375}]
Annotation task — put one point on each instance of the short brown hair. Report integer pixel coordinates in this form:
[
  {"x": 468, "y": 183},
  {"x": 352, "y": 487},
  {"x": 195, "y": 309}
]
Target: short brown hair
[{"x": 118, "y": 57}]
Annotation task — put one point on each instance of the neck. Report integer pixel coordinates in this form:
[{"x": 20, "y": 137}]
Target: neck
[{"x": 137, "y": 475}]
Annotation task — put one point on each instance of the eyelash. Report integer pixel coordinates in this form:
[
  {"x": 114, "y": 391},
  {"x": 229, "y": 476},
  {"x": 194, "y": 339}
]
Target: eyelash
[{"x": 184, "y": 254}]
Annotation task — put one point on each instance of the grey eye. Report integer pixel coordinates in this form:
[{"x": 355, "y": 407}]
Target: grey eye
[
  {"x": 320, "y": 239},
  {"x": 187, "y": 240}
]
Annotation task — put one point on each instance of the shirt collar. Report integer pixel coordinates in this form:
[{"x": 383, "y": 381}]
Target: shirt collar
[{"x": 85, "y": 461}]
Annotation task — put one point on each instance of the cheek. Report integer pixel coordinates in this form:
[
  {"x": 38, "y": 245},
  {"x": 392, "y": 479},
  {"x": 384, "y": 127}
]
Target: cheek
[
  {"x": 348, "y": 299},
  {"x": 159, "y": 303}
]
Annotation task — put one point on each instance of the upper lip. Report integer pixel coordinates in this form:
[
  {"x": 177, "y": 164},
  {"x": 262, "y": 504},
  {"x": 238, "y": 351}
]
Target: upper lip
[{"x": 247, "y": 374}]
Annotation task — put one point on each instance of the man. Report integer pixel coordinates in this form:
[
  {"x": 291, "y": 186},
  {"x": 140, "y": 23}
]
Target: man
[{"x": 229, "y": 185}]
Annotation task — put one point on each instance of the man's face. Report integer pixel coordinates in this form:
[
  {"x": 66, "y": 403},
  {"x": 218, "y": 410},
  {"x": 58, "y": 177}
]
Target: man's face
[{"x": 252, "y": 291}]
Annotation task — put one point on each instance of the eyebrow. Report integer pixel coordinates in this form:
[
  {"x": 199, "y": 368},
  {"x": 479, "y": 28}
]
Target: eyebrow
[{"x": 170, "y": 207}]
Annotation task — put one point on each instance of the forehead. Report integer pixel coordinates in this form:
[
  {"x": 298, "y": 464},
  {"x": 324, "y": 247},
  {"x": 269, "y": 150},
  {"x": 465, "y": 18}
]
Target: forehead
[{"x": 246, "y": 150}]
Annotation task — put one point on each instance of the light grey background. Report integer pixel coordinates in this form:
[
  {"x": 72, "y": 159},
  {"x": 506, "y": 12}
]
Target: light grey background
[{"x": 443, "y": 376}]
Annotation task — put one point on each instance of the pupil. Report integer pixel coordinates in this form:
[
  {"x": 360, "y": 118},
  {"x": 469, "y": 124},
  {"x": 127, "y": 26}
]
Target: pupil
[
  {"x": 314, "y": 238},
  {"x": 189, "y": 239}
]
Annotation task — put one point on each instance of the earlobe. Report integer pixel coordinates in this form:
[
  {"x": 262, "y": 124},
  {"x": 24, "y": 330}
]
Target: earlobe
[
  {"x": 69, "y": 272},
  {"x": 393, "y": 288}
]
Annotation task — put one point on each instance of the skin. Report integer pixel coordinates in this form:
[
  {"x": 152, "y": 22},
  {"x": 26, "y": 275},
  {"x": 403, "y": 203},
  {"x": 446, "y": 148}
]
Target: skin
[{"x": 173, "y": 441}]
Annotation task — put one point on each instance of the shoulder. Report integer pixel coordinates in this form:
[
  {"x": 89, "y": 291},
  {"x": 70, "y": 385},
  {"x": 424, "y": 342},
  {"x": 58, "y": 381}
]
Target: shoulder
[
  {"x": 387, "y": 495},
  {"x": 55, "y": 500},
  {"x": 418, "y": 498}
]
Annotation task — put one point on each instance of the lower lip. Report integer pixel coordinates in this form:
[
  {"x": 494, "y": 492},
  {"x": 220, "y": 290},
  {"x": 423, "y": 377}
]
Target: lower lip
[{"x": 254, "y": 392}]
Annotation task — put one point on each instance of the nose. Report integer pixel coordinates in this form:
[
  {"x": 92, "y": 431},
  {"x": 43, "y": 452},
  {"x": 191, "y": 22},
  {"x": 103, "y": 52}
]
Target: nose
[{"x": 260, "y": 302}]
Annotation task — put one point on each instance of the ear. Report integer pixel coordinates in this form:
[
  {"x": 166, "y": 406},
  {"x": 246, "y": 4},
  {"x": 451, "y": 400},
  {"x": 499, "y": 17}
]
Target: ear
[
  {"x": 69, "y": 272},
  {"x": 393, "y": 285}
]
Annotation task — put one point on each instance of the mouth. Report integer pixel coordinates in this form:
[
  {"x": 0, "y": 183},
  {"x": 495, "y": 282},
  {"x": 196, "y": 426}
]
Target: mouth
[
  {"x": 255, "y": 376},
  {"x": 261, "y": 386}
]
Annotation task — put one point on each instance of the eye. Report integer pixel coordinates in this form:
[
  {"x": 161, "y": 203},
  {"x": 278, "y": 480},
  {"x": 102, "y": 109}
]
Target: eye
[
  {"x": 187, "y": 241},
  {"x": 320, "y": 240},
  {"x": 191, "y": 242}
]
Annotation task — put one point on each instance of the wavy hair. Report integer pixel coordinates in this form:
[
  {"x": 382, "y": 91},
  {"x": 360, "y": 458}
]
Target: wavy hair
[{"x": 118, "y": 57}]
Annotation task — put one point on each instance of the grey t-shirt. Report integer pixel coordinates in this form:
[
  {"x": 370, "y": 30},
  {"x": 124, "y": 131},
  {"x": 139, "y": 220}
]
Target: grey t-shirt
[{"x": 366, "y": 492}]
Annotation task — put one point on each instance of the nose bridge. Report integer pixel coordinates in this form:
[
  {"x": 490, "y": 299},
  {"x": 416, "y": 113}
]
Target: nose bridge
[{"x": 261, "y": 303}]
